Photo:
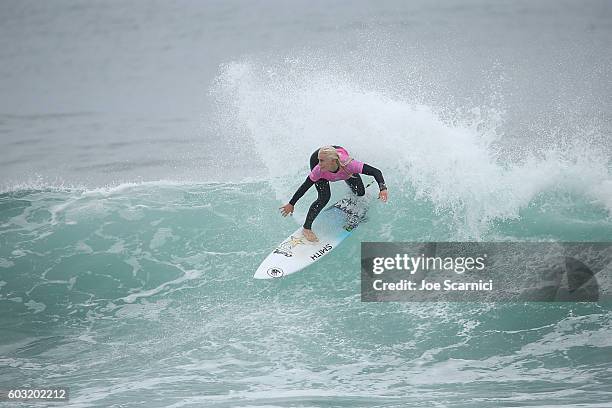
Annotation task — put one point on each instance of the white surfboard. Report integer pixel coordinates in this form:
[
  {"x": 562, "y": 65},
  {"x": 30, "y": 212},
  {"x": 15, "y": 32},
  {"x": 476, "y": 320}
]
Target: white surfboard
[{"x": 332, "y": 226}]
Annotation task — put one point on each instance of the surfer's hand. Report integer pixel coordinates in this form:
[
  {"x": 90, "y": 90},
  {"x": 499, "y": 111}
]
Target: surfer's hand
[
  {"x": 286, "y": 210},
  {"x": 383, "y": 195}
]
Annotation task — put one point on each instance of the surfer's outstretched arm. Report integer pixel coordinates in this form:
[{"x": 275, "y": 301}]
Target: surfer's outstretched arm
[
  {"x": 301, "y": 191},
  {"x": 288, "y": 208},
  {"x": 378, "y": 176}
]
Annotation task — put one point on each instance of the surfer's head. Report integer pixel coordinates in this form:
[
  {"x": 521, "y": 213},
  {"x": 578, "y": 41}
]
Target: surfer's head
[{"x": 328, "y": 158}]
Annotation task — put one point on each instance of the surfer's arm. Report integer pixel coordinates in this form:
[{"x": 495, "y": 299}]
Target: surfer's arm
[
  {"x": 377, "y": 174},
  {"x": 301, "y": 191}
]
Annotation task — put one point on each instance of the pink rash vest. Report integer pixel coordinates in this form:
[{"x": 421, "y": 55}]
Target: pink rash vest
[{"x": 352, "y": 166}]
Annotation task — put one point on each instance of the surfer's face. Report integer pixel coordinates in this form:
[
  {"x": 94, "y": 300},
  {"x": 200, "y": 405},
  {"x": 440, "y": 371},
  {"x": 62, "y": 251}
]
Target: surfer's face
[{"x": 328, "y": 163}]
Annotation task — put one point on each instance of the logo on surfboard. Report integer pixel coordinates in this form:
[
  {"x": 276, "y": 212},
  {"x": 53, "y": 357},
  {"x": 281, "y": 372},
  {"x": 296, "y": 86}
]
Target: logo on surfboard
[
  {"x": 286, "y": 247},
  {"x": 354, "y": 214},
  {"x": 275, "y": 272},
  {"x": 321, "y": 252}
]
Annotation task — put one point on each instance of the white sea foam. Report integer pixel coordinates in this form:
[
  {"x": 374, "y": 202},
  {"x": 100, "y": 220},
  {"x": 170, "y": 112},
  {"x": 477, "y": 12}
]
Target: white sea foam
[{"x": 461, "y": 162}]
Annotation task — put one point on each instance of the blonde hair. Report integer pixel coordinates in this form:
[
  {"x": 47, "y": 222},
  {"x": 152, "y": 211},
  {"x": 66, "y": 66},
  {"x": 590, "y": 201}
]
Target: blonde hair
[{"x": 330, "y": 152}]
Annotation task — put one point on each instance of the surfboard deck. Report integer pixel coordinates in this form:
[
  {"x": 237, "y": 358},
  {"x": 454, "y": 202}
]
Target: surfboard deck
[{"x": 332, "y": 226}]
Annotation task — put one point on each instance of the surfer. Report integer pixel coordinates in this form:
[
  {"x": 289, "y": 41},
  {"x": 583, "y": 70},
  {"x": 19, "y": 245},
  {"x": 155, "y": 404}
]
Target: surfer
[{"x": 332, "y": 163}]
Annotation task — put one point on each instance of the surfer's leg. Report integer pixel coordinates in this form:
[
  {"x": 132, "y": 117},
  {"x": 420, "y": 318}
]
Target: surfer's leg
[
  {"x": 316, "y": 207},
  {"x": 356, "y": 185}
]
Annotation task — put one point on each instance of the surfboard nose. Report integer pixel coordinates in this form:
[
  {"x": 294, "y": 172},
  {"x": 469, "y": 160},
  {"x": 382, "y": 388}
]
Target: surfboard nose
[{"x": 269, "y": 272}]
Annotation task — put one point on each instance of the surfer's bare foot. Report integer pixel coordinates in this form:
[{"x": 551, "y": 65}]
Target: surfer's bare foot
[{"x": 309, "y": 235}]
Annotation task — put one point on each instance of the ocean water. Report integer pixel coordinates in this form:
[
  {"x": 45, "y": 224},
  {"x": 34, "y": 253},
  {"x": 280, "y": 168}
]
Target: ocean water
[{"x": 145, "y": 148}]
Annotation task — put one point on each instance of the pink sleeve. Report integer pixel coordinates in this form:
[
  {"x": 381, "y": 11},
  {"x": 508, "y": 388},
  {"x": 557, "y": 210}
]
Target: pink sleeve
[
  {"x": 315, "y": 174},
  {"x": 355, "y": 166}
]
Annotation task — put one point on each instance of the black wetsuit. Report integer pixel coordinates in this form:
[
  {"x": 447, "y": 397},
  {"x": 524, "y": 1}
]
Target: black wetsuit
[{"x": 324, "y": 193}]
